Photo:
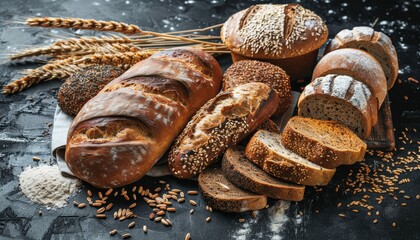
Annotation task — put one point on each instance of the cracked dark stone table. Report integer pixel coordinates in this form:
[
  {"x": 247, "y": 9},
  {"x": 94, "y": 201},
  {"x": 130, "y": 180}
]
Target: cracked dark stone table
[{"x": 25, "y": 127}]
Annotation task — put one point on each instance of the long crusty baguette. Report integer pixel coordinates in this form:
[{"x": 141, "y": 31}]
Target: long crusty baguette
[
  {"x": 120, "y": 133},
  {"x": 267, "y": 151},
  {"x": 245, "y": 174},
  {"x": 223, "y": 122},
  {"x": 326, "y": 143}
]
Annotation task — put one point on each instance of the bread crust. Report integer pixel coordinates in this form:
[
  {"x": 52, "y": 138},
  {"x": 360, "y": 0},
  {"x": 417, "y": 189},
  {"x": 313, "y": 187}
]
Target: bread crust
[
  {"x": 364, "y": 38},
  {"x": 159, "y": 94},
  {"x": 223, "y": 122},
  {"x": 315, "y": 150}
]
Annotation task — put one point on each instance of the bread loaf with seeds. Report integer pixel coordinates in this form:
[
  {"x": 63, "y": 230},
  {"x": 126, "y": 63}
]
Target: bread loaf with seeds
[
  {"x": 326, "y": 143},
  {"x": 223, "y": 122},
  {"x": 340, "y": 98},
  {"x": 120, "y": 133},
  {"x": 376, "y": 43}
]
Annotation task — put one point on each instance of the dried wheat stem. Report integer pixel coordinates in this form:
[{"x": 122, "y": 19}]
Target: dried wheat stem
[{"x": 88, "y": 24}]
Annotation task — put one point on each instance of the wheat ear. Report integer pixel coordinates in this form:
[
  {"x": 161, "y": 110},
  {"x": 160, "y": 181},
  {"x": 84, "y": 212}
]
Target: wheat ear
[
  {"x": 64, "y": 68},
  {"x": 88, "y": 24}
]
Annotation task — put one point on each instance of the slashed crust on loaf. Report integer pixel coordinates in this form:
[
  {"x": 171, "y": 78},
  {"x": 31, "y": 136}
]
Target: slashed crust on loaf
[
  {"x": 340, "y": 98},
  {"x": 267, "y": 151},
  {"x": 326, "y": 143},
  {"x": 221, "y": 194},
  {"x": 376, "y": 43},
  {"x": 222, "y": 122}
]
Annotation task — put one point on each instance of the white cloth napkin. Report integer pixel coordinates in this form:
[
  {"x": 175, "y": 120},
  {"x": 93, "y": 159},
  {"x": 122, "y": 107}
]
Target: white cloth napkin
[{"x": 62, "y": 123}]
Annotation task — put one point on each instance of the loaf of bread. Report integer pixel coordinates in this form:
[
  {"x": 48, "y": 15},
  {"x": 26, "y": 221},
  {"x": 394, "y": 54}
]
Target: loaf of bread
[
  {"x": 376, "y": 43},
  {"x": 223, "y": 122},
  {"x": 245, "y": 174},
  {"x": 223, "y": 195},
  {"x": 267, "y": 151},
  {"x": 83, "y": 85},
  {"x": 326, "y": 143},
  {"x": 357, "y": 64},
  {"x": 340, "y": 98},
  {"x": 286, "y": 35},
  {"x": 255, "y": 71},
  {"x": 120, "y": 133}
]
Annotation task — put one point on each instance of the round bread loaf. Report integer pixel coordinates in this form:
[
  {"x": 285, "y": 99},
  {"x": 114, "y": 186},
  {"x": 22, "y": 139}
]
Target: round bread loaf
[
  {"x": 83, "y": 85},
  {"x": 255, "y": 71},
  {"x": 286, "y": 35},
  {"x": 376, "y": 43}
]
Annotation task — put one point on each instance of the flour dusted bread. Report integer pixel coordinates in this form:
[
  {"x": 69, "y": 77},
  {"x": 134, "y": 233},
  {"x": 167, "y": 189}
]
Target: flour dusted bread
[
  {"x": 326, "y": 143},
  {"x": 357, "y": 64},
  {"x": 286, "y": 35},
  {"x": 120, "y": 133},
  {"x": 256, "y": 71},
  {"x": 376, "y": 43},
  {"x": 340, "y": 98},
  {"x": 223, "y": 122},
  {"x": 267, "y": 151},
  {"x": 245, "y": 174},
  {"x": 223, "y": 195}
]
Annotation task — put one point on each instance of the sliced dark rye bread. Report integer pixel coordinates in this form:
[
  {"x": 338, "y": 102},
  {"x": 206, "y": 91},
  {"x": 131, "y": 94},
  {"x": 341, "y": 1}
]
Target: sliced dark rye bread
[
  {"x": 245, "y": 174},
  {"x": 223, "y": 195},
  {"x": 267, "y": 151},
  {"x": 326, "y": 143}
]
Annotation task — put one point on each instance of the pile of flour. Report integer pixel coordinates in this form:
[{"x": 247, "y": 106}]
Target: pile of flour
[{"x": 46, "y": 185}]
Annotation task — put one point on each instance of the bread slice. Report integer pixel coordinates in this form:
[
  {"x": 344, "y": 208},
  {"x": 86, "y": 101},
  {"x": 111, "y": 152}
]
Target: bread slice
[
  {"x": 340, "y": 98},
  {"x": 326, "y": 143},
  {"x": 245, "y": 174},
  {"x": 225, "y": 196},
  {"x": 376, "y": 43},
  {"x": 267, "y": 151}
]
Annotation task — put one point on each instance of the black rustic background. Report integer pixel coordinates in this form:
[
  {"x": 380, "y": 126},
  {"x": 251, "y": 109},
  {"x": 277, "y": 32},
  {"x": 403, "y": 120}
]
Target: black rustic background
[{"x": 25, "y": 130}]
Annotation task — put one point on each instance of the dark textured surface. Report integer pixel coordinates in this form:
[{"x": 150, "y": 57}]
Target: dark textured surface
[{"x": 25, "y": 131}]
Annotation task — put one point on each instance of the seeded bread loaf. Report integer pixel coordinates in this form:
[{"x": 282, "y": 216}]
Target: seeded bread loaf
[
  {"x": 245, "y": 174},
  {"x": 376, "y": 43},
  {"x": 286, "y": 35},
  {"x": 223, "y": 122},
  {"x": 326, "y": 143},
  {"x": 255, "y": 71},
  {"x": 340, "y": 98},
  {"x": 223, "y": 195},
  {"x": 83, "y": 85},
  {"x": 267, "y": 151},
  {"x": 120, "y": 134},
  {"x": 357, "y": 64}
]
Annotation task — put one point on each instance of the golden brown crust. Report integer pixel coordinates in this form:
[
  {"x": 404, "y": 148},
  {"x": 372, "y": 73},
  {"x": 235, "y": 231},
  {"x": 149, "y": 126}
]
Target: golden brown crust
[
  {"x": 153, "y": 100},
  {"x": 255, "y": 71},
  {"x": 81, "y": 86},
  {"x": 326, "y": 143}
]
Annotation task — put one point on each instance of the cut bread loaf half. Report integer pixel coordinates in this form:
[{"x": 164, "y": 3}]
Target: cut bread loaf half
[
  {"x": 267, "y": 151},
  {"x": 326, "y": 143},
  {"x": 221, "y": 194},
  {"x": 245, "y": 174},
  {"x": 340, "y": 98},
  {"x": 357, "y": 64},
  {"x": 376, "y": 43}
]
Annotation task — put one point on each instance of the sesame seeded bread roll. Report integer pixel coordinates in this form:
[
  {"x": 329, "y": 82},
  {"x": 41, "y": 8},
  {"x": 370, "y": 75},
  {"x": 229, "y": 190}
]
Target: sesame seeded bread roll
[
  {"x": 376, "y": 43},
  {"x": 245, "y": 174},
  {"x": 256, "y": 71},
  {"x": 223, "y": 195},
  {"x": 119, "y": 134},
  {"x": 357, "y": 64},
  {"x": 340, "y": 98},
  {"x": 267, "y": 151},
  {"x": 223, "y": 122},
  {"x": 286, "y": 35},
  {"x": 326, "y": 143},
  {"x": 83, "y": 85}
]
